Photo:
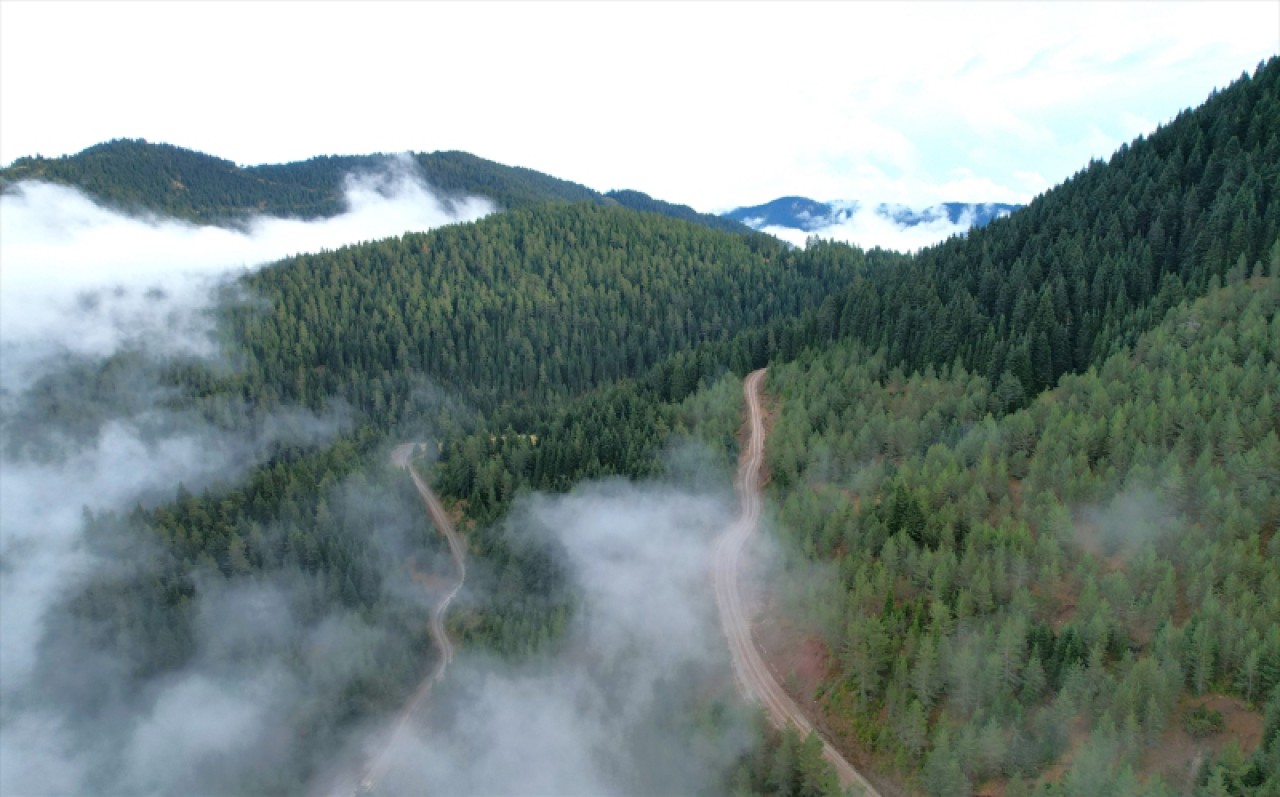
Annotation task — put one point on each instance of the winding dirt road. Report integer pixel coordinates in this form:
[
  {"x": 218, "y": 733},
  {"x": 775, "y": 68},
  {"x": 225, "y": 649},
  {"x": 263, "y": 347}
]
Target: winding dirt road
[
  {"x": 755, "y": 679},
  {"x": 402, "y": 456}
]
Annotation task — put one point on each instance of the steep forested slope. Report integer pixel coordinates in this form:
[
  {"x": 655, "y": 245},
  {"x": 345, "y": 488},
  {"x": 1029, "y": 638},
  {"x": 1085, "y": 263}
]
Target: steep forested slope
[
  {"x": 1075, "y": 579},
  {"x": 968, "y": 516},
  {"x": 1088, "y": 265},
  {"x": 1053, "y": 289},
  {"x": 521, "y": 307},
  {"x": 620, "y": 429},
  {"x": 1117, "y": 294},
  {"x": 1078, "y": 597},
  {"x": 445, "y": 332}
]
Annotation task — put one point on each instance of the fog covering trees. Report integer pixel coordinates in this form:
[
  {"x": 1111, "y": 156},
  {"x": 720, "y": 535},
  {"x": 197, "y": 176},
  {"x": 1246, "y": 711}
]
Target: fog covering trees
[
  {"x": 1036, "y": 573},
  {"x": 250, "y": 596},
  {"x": 917, "y": 376},
  {"x": 145, "y": 644}
]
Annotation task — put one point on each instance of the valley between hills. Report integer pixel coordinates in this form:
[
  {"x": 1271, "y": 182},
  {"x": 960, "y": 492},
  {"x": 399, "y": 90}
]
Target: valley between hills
[{"x": 689, "y": 509}]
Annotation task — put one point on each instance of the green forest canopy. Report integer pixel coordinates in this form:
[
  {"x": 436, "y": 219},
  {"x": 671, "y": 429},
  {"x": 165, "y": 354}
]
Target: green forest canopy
[
  {"x": 137, "y": 175},
  {"x": 959, "y": 431}
]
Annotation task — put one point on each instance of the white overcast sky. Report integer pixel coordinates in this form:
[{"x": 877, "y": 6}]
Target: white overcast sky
[{"x": 715, "y": 105}]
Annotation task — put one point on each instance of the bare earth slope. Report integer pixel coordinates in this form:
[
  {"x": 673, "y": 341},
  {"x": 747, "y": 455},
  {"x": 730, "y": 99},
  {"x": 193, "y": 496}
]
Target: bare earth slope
[{"x": 754, "y": 678}]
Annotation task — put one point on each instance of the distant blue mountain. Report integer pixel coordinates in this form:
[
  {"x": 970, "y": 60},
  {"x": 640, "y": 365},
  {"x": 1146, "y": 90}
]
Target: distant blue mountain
[
  {"x": 801, "y": 213},
  {"x": 795, "y": 212}
]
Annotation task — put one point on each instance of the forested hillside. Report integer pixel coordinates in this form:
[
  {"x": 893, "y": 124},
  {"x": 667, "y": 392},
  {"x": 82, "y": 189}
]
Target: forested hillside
[
  {"x": 1089, "y": 582},
  {"x": 1086, "y": 267},
  {"x": 139, "y": 176},
  {"x": 1118, "y": 291},
  {"x": 521, "y": 317},
  {"x": 1037, "y": 463},
  {"x": 160, "y": 178},
  {"x": 639, "y": 201},
  {"x": 888, "y": 303},
  {"x": 519, "y": 308}
]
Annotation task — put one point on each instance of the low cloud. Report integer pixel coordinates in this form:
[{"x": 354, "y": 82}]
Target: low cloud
[
  {"x": 94, "y": 306},
  {"x": 868, "y": 226},
  {"x": 616, "y": 710},
  {"x": 82, "y": 278},
  {"x": 249, "y": 710},
  {"x": 1133, "y": 518},
  {"x": 613, "y": 712}
]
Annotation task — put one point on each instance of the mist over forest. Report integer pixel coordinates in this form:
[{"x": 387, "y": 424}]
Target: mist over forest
[
  {"x": 102, "y": 314},
  {"x": 1019, "y": 494}
]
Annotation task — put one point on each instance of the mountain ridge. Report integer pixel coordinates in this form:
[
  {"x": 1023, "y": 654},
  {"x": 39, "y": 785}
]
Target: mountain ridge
[
  {"x": 809, "y": 215},
  {"x": 1036, "y": 460},
  {"x": 139, "y": 176}
]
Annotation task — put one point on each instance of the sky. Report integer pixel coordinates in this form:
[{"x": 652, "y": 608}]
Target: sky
[{"x": 715, "y": 105}]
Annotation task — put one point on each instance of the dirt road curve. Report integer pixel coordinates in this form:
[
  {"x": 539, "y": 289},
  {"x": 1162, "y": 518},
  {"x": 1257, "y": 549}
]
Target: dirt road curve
[
  {"x": 754, "y": 677},
  {"x": 402, "y": 456}
]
